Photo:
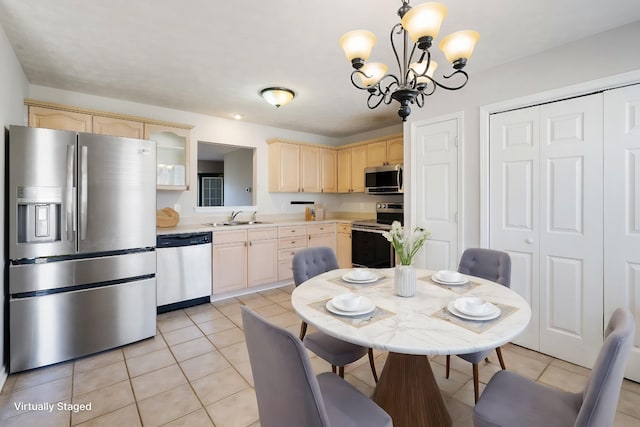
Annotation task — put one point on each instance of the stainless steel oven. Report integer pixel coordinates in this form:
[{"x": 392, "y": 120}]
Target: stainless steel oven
[{"x": 369, "y": 248}]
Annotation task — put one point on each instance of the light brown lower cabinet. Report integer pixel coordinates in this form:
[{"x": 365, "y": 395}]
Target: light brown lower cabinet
[
  {"x": 321, "y": 235},
  {"x": 343, "y": 245},
  {"x": 262, "y": 260},
  {"x": 291, "y": 239}
]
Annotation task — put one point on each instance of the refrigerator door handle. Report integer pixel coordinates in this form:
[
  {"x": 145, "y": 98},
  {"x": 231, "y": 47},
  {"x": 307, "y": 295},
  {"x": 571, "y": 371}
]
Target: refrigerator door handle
[
  {"x": 83, "y": 191},
  {"x": 69, "y": 202}
]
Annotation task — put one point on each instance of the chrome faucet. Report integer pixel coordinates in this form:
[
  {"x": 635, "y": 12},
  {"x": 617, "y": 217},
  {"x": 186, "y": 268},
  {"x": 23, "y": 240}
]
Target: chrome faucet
[{"x": 234, "y": 214}]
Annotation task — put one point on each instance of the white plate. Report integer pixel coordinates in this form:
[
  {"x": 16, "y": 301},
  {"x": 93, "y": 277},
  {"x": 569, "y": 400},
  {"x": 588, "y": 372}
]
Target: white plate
[
  {"x": 474, "y": 306},
  {"x": 455, "y": 312},
  {"x": 358, "y": 302},
  {"x": 435, "y": 278},
  {"x": 334, "y": 310},
  {"x": 348, "y": 278}
]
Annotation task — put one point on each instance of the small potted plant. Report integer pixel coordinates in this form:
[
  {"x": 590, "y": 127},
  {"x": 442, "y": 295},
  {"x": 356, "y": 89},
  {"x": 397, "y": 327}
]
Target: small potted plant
[{"x": 406, "y": 244}]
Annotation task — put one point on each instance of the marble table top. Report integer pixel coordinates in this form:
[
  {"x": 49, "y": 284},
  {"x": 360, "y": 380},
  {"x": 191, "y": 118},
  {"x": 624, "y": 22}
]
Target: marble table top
[{"x": 415, "y": 325}]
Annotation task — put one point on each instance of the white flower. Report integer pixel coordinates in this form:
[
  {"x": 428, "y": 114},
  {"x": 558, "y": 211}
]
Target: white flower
[{"x": 406, "y": 244}]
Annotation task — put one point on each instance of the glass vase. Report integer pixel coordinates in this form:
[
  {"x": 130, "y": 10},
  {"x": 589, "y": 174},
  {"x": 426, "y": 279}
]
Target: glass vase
[{"x": 404, "y": 280}]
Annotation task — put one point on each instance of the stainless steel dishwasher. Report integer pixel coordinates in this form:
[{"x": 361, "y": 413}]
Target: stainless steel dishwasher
[{"x": 183, "y": 270}]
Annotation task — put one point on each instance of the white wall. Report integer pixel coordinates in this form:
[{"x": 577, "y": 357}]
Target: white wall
[
  {"x": 606, "y": 54},
  {"x": 13, "y": 89}
]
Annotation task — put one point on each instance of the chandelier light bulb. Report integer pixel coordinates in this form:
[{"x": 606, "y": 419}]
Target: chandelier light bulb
[
  {"x": 357, "y": 46},
  {"x": 419, "y": 67},
  {"x": 423, "y": 22},
  {"x": 372, "y": 72},
  {"x": 459, "y": 46}
]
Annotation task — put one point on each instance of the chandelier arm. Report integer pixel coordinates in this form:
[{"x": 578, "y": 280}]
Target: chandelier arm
[
  {"x": 379, "y": 95},
  {"x": 432, "y": 87},
  {"x": 420, "y": 99},
  {"x": 353, "y": 82},
  {"x": 466, "y": 79},
  {"x": 393, "y": 45}
]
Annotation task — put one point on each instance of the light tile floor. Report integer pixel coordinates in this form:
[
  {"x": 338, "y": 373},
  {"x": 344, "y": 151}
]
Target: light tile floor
[{"x": 196, "y": 372}]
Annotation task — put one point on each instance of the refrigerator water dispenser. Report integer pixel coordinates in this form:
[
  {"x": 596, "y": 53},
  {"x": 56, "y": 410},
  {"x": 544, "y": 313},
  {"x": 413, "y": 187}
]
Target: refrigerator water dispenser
[{"x": 39, "y": 220}]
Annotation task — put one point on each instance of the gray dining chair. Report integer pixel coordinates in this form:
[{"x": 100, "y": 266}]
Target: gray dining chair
[
  {"x": 306, "y": 264},
  {"x": 491, "y": 265},
  {"x": 298, "y": 397},
  {"x": 512, "y": 400}
]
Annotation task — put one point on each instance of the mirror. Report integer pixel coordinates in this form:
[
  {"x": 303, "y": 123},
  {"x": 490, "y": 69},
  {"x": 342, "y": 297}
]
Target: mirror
[{"x": 225, "y": 175}]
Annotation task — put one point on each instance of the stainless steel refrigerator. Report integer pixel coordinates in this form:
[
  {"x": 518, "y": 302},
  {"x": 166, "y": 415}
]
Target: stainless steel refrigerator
[{"x": 81, "y": 240}]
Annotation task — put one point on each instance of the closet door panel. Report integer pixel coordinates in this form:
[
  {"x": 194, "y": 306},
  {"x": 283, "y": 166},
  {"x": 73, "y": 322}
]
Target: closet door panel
[
  {"x": 514, "y": 186},
  {"x": 622, "y": 209},
  {"x": 571, "y": 198}
]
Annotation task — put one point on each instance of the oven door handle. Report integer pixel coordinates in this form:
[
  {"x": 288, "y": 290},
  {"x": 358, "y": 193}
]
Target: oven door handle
[{"x": 367, "y": 230}]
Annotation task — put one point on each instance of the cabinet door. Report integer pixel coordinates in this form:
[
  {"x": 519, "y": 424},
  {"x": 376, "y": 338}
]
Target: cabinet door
[
  {"x": 284, "y": 167},
  {"x": 229, "y": 265},
  {"x": 49, "y": 118},
  {"x": 358, "y": 163},
  {"x": 262, "y": 266},
  {"x": 376, "y": 154},
  {"x": 309, "y": 169},
  {"x": 344, "y": 250},
  {"x": 328, "y": 170},
  {"x": 344, "y": 170},
  {"x": 173, "y": 155},
  {"x": 395, "y": 151},
  {"x": 328, "y": 240},
  {"x": 118, "y": 127}
]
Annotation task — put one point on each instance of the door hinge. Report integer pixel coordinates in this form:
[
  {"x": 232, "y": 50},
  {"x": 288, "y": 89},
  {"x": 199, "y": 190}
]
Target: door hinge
[
  {"x": 455, "y": 217},
  {"x": 455, "y": 141}
]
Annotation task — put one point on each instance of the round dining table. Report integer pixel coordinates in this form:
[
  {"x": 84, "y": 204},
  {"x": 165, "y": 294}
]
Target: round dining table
[{"x": 411, "y": 328}]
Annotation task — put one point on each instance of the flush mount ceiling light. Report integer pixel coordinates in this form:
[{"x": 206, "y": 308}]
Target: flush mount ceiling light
[
  {"x": 277, "y": 95},
  {"x": 415, "y": 79}
]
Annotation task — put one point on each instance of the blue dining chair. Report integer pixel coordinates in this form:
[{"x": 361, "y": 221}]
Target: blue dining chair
[
  {"x": 512, "y": 400},
  {"x": 491, "y": 265},
  {"x": 288, "y": 392},
  {"x": 306, "y": 264}
]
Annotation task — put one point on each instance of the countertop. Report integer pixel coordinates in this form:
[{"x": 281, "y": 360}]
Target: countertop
[{"x": 195, "y": 228}]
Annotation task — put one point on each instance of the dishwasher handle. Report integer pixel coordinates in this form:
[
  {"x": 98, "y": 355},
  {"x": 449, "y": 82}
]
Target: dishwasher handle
[{"x": 184, "y": 239}]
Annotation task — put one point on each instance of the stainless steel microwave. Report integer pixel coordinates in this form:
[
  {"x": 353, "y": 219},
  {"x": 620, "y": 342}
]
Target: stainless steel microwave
[{"x": 384, "y": 180}]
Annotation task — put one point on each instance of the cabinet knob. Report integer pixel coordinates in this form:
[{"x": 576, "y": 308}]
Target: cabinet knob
[{"x": 250, "y": 243}]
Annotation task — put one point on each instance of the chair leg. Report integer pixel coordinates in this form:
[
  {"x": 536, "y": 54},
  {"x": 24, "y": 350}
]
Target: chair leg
[
  {"x": 341, "y": 371},
  {"x": 499, "y": 352},
  {"x": 303, "y": 330},
  {"x": 373, "y": 365},
  {"x": 448, "y": 364},
  {"x": 476, "y": 386},
  {"x": 333, "y": 368}
]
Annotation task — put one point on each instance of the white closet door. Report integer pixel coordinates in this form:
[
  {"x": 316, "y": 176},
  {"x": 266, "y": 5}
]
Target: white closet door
[
  {"x": 571, "y": 229},
  {"x": 514, "y": 193},
  {"x": 435, "y": 191},
  {"x": 622, "y": 209}
]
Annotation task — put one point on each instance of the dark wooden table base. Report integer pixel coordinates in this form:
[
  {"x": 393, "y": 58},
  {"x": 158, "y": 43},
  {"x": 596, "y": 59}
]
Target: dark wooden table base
[{"x": 408, "y": 391}]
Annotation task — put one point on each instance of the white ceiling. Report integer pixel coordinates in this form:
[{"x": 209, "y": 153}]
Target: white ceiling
[{"x": 213, "y": 57}]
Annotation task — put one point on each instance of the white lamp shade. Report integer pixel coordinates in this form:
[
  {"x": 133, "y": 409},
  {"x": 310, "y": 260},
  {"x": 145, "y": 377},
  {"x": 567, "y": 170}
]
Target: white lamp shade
[
  {"x": 358, "y": 44},
  {"x": 418, "y": 68},
  {"x": 424, "y": 20},
  {"x": 373, "y": 72},
  {"x": 277, "y": 95},
  {"x": 459, "y": 45}
]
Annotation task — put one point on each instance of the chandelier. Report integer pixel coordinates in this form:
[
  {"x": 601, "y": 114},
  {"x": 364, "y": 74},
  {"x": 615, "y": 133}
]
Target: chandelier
[{"x": 415, "y": 79}]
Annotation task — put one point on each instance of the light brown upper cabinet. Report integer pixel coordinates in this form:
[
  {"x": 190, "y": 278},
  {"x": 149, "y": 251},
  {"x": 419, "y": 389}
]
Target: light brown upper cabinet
[
  {"x": 309, "y": 169},
  {"x": 50, "y": 118},
  {"x": 328, "y": 170},
  {"x": 172, "y": 154},
  {"x": 388, "y": 152},
  {"x": 351, "y": 164},
  {"x": 304, "y": 168},
  {"x": 118, "y": 127},
  {"x": 284, "y": 167}
]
